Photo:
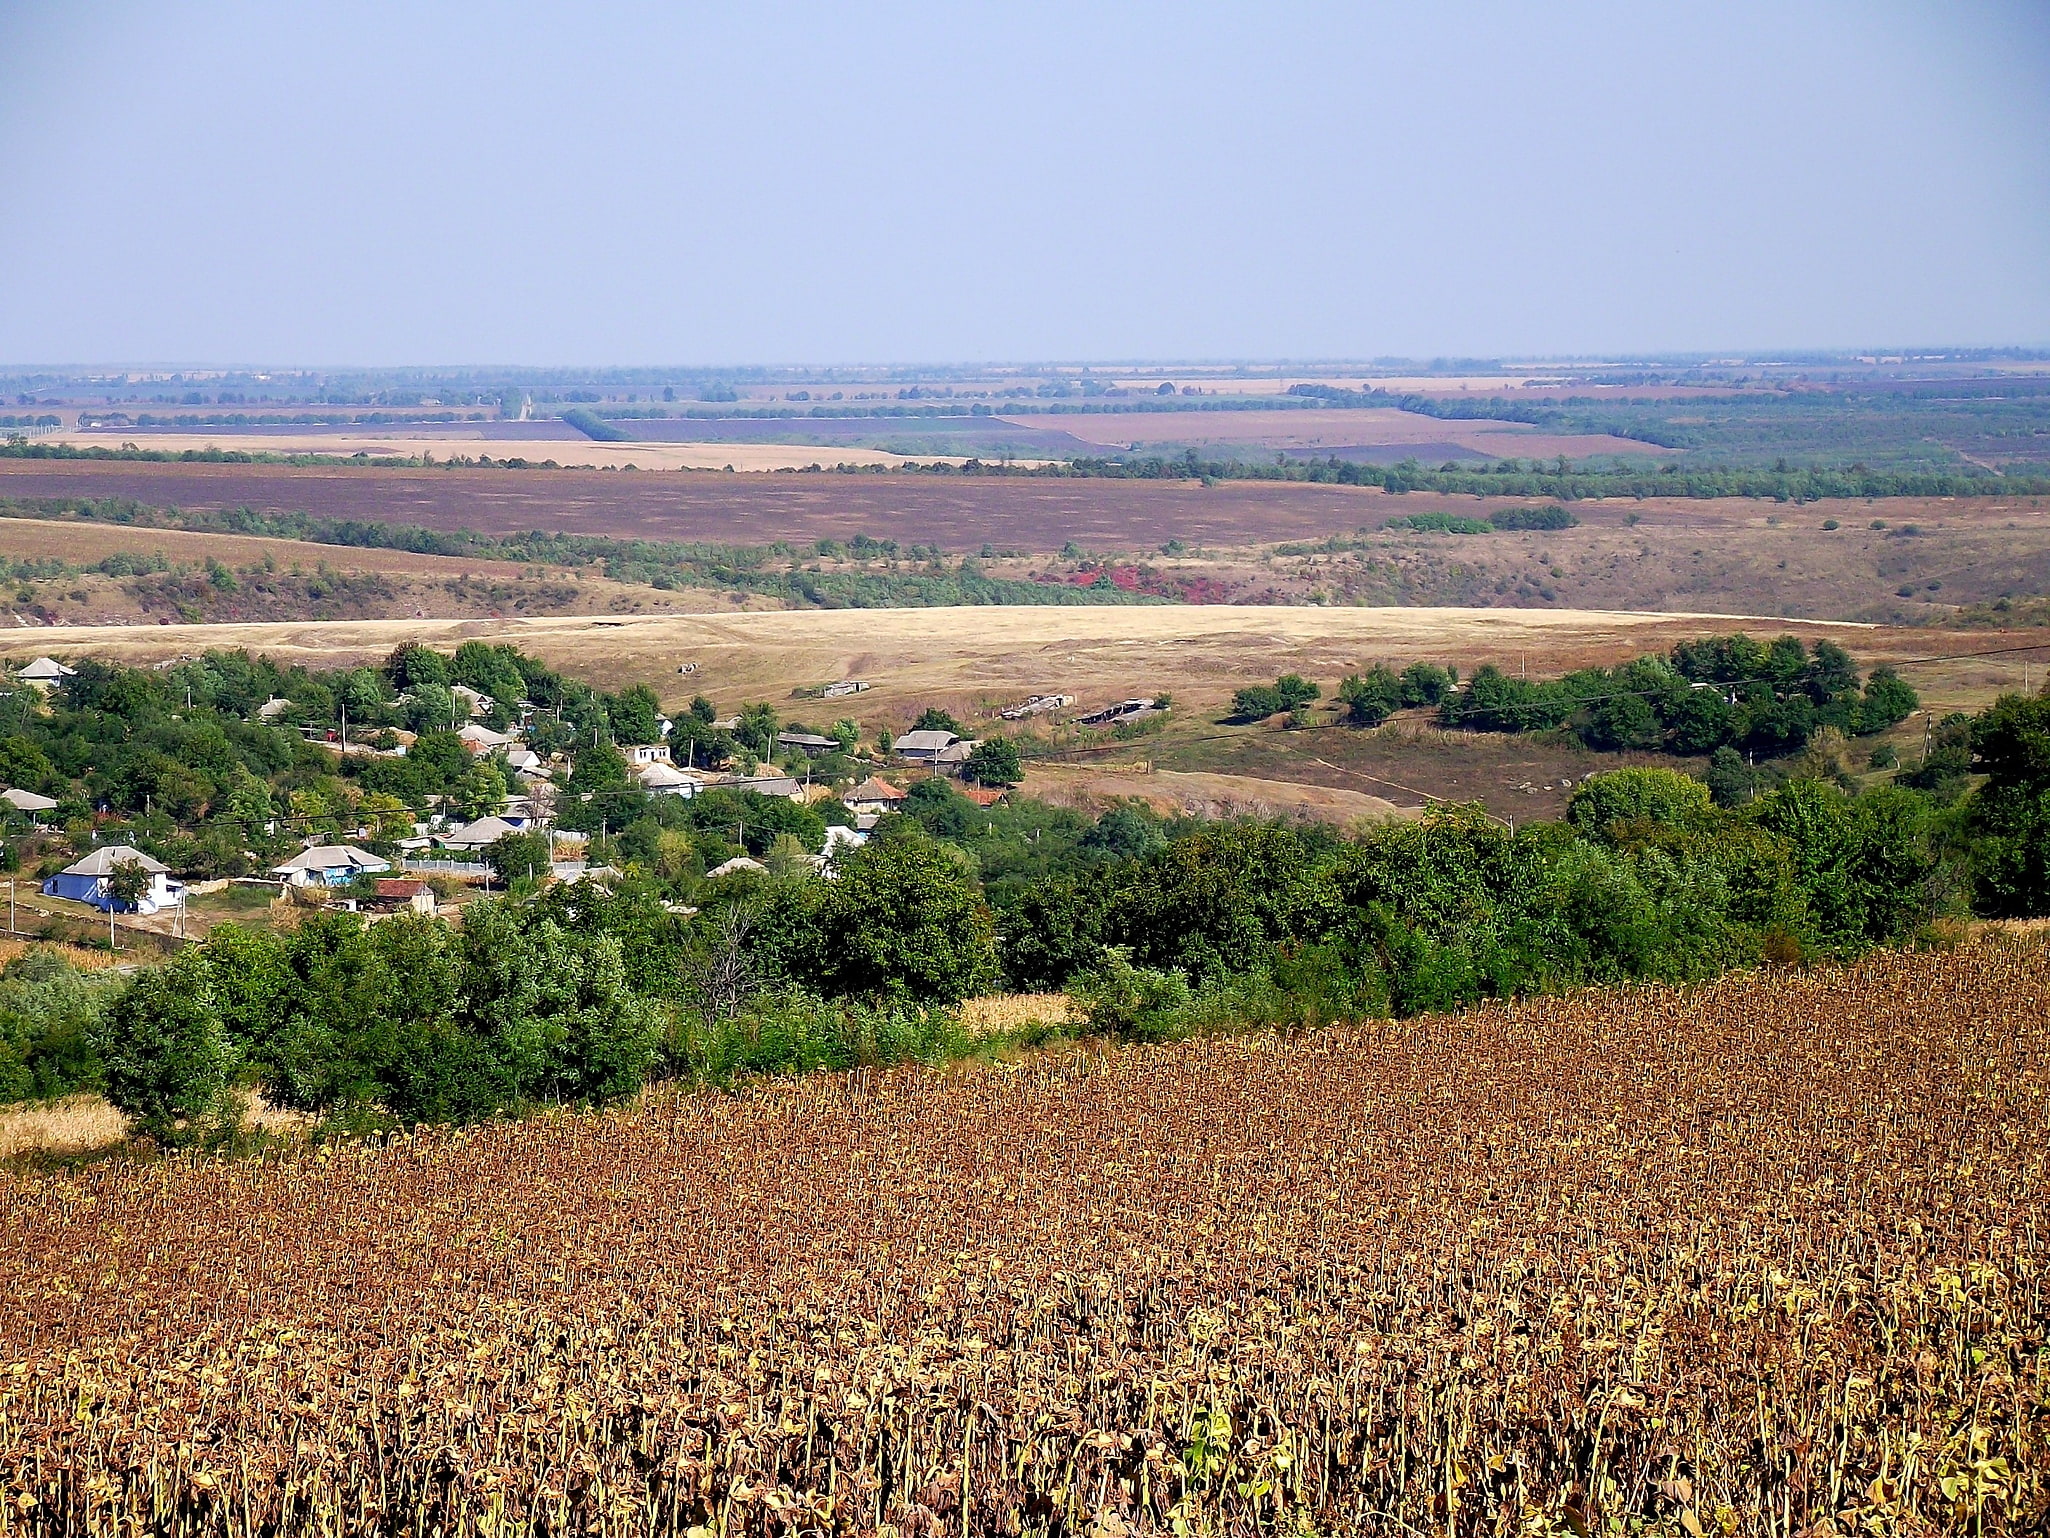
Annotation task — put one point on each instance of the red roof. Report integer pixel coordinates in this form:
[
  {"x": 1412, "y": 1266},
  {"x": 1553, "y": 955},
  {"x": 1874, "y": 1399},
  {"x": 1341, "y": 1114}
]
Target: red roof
[
  {"x": 984, "y": 795},
  {"x": 400, "y": 886}
]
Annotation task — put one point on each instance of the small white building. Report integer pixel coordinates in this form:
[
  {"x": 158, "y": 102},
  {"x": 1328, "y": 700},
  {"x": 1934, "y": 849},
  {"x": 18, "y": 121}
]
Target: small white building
[{"x": 642, "y": 753}]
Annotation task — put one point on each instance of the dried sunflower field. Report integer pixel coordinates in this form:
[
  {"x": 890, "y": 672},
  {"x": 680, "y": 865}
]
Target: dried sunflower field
[{"x": 1765, "y": 1256}]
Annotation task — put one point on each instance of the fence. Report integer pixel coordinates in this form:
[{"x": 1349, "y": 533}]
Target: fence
[{"x": 447, "y": 867}]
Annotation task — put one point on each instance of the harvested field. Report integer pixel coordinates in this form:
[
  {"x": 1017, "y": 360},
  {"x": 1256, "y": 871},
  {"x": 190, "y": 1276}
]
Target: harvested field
[
  {"x": 1036, "y": 515},
  {"x": 572, "y": 448},
  {"x": 1762, "y": 1257},
  {"x": 1305, "y": 431}
]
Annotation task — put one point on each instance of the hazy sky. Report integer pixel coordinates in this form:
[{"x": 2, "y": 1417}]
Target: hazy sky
[{"x": 615, "y": 183}]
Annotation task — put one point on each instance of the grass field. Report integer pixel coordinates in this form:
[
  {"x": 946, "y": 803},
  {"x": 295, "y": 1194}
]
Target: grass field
[
  {"x": 973, "y": 661},
  {"x": 1763, "y": 1257}
]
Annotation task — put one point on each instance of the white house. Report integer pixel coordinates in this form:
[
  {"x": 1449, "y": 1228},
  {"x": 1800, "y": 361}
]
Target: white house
[
  {"x": 45, "y": 673},
  {"x": 473, "y": 702},
  {"x": 329, "y": 865},
  {"x": 642, "y": 753},
  {"x": 482, "y": 740},
  {"x": 86, "y": 881}
]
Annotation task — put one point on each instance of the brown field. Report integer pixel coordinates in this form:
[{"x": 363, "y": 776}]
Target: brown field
[
  {"x": 1684, "y": 556},
  {"x": 973, "y": 661},
  {"x": 570, "y": 450},
  {"x": 1303, "y": 431},
  {"x": 1761, "y": 1257}
]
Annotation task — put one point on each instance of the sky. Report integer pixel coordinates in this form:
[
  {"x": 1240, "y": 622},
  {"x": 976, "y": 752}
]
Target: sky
[{"x": 367, "y": 184}]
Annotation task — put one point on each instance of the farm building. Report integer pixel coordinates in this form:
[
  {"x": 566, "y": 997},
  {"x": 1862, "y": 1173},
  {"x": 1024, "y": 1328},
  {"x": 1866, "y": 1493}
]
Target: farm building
[
  {"x": 1121, "y": 712},
  {"x": 329, "y": 865},
  {"x": 86, "y": 881},
  {"x": 771, "y": 785},
  {"x": 405, "y": 892},
  {"x": 810, "y": 744}
]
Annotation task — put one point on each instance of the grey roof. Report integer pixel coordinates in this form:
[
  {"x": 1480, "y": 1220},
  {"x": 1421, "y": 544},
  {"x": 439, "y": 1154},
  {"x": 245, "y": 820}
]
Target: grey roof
[
  {"x": 771, "y": 785},
  {"x": 334, "y": 857},
  {"x": 27, "y": 801},
  {"x": 805, "y": 740},
  {"x": 46, "y": 667},
  {"x": 925, "y": 742},
  {"x": 101, "y": 862},
  {"x": 475, "y": 835}
]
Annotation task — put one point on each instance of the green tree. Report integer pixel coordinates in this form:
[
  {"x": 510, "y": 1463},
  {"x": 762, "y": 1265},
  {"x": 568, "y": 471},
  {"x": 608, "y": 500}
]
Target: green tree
[
  {"x": 903, "y": 918},
  {"x": 995, "y": 761},
  {"x": 934, "y": 719},
  {"x": 128, "y": 882},
  {"x": 1372, "y": 697},
  {"x": 519, "y": 855},
  {"x": 637, "y": 715},
  {"x": 168, "y": 1063},
  {"x": 1652, "y": 798}
]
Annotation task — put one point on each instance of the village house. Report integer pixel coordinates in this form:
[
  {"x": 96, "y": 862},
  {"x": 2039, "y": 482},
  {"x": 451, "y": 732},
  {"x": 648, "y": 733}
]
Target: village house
[
  {"x": 873, "y": 797},
  {"x": 936, "y": 748},
  {"x": 643, "y": 753},
  {"x": 45, "y": 673},
  {"x": 86, "y": 881},
  {"x": 329, "y": 865},
  {"x": 475, "y": 837},
  {"x": 28, "y": 801}
]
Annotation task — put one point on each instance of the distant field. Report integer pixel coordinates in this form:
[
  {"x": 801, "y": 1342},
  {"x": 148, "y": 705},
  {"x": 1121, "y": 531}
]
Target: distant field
[
  {"x": 1677, "y": 554},
  {"x": 1305, "y": 430},
  {"x": 572, "y": 448},
  {"x": 959, "y": 514}
]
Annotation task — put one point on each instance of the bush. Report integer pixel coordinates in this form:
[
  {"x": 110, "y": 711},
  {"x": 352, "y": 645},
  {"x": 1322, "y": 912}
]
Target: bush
[
  {"x": 1545, "y": 518},
  {"x": 1131, "y": 1003},
  {"x": 167, "y": 1061}
]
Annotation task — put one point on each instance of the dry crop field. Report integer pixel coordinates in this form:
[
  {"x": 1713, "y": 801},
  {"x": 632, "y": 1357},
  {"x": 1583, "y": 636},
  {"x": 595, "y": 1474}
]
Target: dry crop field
[
  {"x": 1726, "y": 556},
  {"x": 1765, "y": 1256}
]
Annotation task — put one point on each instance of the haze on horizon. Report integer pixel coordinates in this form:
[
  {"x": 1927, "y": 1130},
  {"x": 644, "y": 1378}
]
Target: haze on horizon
[{"x": 381, "y": 184}]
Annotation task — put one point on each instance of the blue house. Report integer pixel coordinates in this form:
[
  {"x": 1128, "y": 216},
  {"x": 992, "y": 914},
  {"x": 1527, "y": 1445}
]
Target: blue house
[{"x": 86, "y": 881}]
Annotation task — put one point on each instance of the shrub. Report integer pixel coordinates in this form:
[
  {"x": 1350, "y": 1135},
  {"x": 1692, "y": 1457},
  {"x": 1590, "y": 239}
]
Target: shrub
[{"x": 168, "y": 1063}]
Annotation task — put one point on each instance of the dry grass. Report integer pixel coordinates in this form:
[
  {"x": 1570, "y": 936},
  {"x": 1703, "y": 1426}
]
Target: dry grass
[
  {"x": 999, "y": 1012},
  {"x": 79, "y": 956},
  {"x": 87, "y": 1123},
  {"x": 75, "y": 1124},
  {"x": 1762, "y": 1257}
]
